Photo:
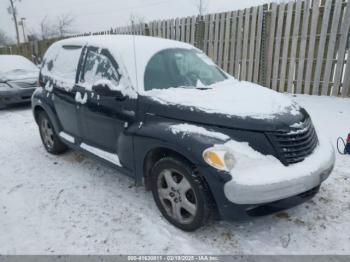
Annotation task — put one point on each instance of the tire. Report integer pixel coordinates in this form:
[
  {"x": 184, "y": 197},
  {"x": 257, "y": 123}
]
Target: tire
[
  {"x": 181, "y": 196},
  {"x": 51, "y": 141}
]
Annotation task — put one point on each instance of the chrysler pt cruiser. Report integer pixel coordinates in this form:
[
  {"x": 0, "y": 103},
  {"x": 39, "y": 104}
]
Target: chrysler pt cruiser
[{"x": 163, "y": 113}]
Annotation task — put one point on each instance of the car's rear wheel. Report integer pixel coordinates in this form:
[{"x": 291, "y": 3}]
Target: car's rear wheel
[
  {"x": 51, "y": 141},
  {"x": 180, "y": 195}
]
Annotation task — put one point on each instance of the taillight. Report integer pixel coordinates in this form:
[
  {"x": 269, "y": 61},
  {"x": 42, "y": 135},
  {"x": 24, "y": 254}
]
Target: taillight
[{"x": 348, "y": 139}]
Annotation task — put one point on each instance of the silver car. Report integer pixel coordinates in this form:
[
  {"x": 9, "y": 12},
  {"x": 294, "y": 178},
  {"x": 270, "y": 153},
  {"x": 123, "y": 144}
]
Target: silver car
[{"x": 18, "y": 79}]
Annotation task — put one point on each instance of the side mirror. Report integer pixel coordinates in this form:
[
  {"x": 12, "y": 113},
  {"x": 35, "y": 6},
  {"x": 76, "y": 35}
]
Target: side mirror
[{"x": 105, "y": 90}]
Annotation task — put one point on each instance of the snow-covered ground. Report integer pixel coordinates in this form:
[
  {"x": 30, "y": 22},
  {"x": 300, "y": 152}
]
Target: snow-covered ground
[{"x": 73, "y": 205}]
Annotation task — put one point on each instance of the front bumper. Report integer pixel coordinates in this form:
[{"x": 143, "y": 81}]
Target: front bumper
[
  {"x": 261, "y": 187},
  {"x": 16, "y": 96},
  {"x": 269, "y": 181}
]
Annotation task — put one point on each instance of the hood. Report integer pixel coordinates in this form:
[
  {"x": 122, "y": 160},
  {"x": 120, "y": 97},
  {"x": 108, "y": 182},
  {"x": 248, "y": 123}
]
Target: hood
[
  {"x": 18, "y": 74},
  {"x": 231, "y": 104}
]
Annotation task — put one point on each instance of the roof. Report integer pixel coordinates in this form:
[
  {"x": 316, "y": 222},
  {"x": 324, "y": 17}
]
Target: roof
[{"x": 121, "y": 47}]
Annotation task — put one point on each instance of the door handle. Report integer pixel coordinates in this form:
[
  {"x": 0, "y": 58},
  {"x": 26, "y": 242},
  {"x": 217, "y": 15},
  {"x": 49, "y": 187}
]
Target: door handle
[{"x": 128, "y": 114}]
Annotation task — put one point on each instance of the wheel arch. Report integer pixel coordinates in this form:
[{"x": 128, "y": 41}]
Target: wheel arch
[
  {"x": 36, "y": 111},
  {"x": 157, "y": 153},
  {"x": 154, "y": 155},
  {"x": 42, "y": 108}
]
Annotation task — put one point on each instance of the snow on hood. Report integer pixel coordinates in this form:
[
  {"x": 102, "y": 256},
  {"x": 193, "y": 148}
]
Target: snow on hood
[
  {"x": 230, "y": 97},
  {"x": 14, "y": 67},
  {"x": 188, "y": 129},
  {"x": 18, "y": 75}
]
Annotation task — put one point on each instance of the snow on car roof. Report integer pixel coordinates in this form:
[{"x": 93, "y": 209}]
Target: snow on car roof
[
  {"x": 14, "y": 62},
  {"x": 122, "y": 48}
]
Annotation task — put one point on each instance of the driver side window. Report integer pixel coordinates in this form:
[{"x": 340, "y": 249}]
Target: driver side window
[{"x": 99, "y": 67}]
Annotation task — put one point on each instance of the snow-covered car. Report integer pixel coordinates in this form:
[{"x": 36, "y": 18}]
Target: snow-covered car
[
  {"x": 18, "y": 79},
  {"x": 160, "y": 111}
]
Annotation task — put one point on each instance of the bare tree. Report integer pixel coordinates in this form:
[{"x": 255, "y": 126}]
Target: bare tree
[
  {"x": 12, "y": 10},
  {"x": 47, "y": 29},
  {"x": 32, "y": 34},
  {"x": 202, "y": 6},
  {"x": 64, "y": 24},
  {"x": 4, "y": 39},
  {"x": 137, "y": 19}
]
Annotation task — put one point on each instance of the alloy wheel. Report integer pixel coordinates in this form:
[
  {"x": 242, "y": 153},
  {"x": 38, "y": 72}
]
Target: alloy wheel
[
  {"x": 47, "y": 133},
  {"x": 177, "y": 196}
]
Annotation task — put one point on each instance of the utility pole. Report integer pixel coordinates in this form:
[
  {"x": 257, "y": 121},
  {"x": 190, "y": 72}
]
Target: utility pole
[
  {"x": 202, "y": 6},
  {"x": 15, "y": 20},
  {"x": 21, "y": 23},
  {"x": 201, "y": 11}
]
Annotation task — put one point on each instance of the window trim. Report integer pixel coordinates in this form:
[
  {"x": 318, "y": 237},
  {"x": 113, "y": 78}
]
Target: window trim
[
  {"x": 72, "y": 47},
  {"x": 103, "y": 52}
]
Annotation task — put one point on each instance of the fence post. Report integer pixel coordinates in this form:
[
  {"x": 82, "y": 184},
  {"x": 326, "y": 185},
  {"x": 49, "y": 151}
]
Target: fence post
[
  {"x": 266, "y": 21},
  {"x": 146, "y": 30},
  {"x": 266, "y": 26},
  {"x": 199, "y": 33}
]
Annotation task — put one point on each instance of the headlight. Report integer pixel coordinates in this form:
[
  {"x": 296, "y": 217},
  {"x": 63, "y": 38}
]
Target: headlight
[
  {"x": 4, "y": 87},
  {"x": 220, "y": 158}
]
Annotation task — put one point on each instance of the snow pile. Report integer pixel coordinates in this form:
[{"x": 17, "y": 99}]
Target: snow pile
[
  {"x": 49, "y": 86},
  {"x": 230, "y": 97},
  {"x": 125, "y": 90},
  {"x": 81, "y": 99},
  {"x": 187, "y": 129}
]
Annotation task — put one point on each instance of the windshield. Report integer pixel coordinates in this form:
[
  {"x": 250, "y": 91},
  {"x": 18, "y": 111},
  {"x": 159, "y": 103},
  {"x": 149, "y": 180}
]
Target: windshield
[
  {"x": 14, "y": 63},
  {"x": 181, "y": 68}
]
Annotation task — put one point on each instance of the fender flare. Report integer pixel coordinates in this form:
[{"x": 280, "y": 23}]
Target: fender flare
[{"x": 39, "y": 105}]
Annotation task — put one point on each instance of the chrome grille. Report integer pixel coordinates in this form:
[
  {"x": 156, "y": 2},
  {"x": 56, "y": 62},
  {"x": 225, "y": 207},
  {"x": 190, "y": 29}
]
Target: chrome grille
[{"x": 297, "y": 144}]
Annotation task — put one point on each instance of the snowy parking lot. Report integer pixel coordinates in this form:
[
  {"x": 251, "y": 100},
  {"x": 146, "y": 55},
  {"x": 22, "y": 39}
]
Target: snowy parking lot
[{"x": 71, "y": 204}]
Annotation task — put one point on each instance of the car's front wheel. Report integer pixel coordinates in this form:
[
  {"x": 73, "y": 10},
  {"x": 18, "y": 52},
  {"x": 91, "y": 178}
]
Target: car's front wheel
[
  {"x": 180, "y": 195},
  {"x": 48, "y": 135}
]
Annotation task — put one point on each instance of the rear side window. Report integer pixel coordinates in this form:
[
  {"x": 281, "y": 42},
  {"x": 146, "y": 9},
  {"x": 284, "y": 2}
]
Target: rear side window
[
  {"x": 65, "y": 63},
  {"x": 60, "y": 65},
  {"x": 99, "y": 67}
]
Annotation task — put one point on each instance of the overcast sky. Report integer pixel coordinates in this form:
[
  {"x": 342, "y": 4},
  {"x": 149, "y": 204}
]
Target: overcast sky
[{"x": 94, "y": 15}]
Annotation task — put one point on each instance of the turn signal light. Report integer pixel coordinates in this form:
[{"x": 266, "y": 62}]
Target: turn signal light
[{"x": 213, "y": 159}]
